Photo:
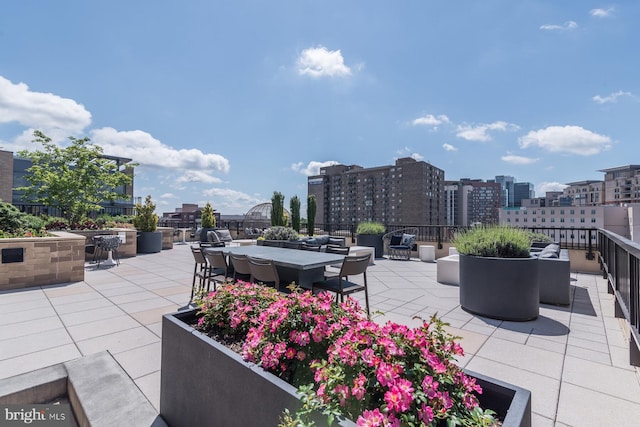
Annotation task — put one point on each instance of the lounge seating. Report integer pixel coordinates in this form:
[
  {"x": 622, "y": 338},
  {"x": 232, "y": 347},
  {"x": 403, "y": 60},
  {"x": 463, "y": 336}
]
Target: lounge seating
[
  {"x": 399, "y": 243},
  {"x": 351, "y": 266},
  {"x": 554, "y": 274}
]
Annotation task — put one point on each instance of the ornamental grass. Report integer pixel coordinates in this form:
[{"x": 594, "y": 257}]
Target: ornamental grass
[{"x": 343, "y": 364}]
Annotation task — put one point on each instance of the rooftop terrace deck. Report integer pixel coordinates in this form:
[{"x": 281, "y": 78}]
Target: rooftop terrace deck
[{"x": 573, "y": 359}]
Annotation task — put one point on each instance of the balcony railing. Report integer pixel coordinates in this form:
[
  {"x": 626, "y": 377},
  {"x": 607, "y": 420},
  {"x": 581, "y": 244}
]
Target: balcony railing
[{"x": 620, "y": 262}]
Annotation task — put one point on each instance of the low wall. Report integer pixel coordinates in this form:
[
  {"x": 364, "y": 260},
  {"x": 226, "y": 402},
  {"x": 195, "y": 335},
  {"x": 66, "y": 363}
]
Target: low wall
[
  {"x": 38, "y": 261},
  {"x": 167, "y": 237},
  {"x": 126, "y": 249}
]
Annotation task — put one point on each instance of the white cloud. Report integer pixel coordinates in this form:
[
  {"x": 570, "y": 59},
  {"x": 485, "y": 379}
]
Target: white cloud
[
  {"x": 313, "y": 168},
  {"x": 39, "y": 110},
  {"x": 518, "y": 160},
  {"x": 566, "y": 139},
  {"x": 569, "y": 25},
  {"x": 601, "y": 13},
  {"x": 431, "y": 120},
  {"x": 543, "y": 187},
  {"x": 613, "y": 97},
  {"x": 228, "y": 200},
  {"x": 417, "y": 156},
  {"x": 449, "y": 147},
  {"x": 198, "y": 176},
  {"x": 320, "y": 62},
  {"x": 168, "y": 196},
  {"x": 480, "y": 132},
  {"x": 148, "y": 151}
]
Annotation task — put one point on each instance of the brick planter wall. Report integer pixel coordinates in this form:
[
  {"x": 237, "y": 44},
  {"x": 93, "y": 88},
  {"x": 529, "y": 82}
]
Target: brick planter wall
[{"x": 46, "y": 261}]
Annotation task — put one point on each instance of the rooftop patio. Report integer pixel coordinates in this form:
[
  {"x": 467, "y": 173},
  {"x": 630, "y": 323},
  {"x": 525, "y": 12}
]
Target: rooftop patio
[{"x": 574, "y": 360}]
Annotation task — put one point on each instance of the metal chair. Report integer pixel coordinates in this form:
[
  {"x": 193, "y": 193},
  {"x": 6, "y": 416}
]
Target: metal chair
[
  {"x": 341, "y": 285},
  {"x": 200, "y": 270},
  {"x": 263, "y": 271},
  {"x": 107, "y": 243},
  {"x": 399, "y": 243},
  {"x": 241, "y": 269},
  {"x": 218, "y": 268}
]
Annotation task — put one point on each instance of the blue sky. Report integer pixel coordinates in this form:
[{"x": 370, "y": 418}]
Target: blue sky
[{"x": 229, "y": 101}]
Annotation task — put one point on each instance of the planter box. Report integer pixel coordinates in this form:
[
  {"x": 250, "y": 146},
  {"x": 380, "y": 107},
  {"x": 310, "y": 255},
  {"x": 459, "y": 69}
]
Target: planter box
[
  {"x": 500, "y": 288},
  {"x": 202, "y": 380},
  {"x": 149, "y": 242},
  {"x": 373, "y": 241}
]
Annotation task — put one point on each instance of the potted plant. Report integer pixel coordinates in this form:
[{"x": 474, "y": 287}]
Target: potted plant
[
  {"x": 146, "y": 222},
  {"x": 498, "y": 276},
  {"x": 250, "y": 353},
  {"x": 278, "y": 233},
  {"x": 370, "y": 234},
  {"x": 207, "y": 222}
]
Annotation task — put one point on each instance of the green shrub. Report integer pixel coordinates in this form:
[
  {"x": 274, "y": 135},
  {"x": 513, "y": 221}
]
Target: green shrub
[
  {"x": 539, "y": 238},
  {"x": 207, "y": 218},
  {"x": 369, "y": 227},
  {"x": 11, "y": 219},
  {"x": 280, "y": 233},
  {"x": 494, "y": 241},
  {"x": 145, "y": 219},
  {"x": 34, "y": 222}
]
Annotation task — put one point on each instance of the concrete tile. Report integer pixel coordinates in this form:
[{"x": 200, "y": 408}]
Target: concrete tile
[
  {"x": 20, "y": 306},
  {"x": 29, "y": 327},
  {"x": 83, "y": 306},
  {"x": 579, "y": 406},
  {"x": 26, "y": 344},
  {"x": 588, "y": 344},
  {"x": 156, "y": 328},
  {"x": 147, "y": 304},
  {"x": 601, "y": 378},
  {"x": 586, "y": 354},
  {"x": 545, "y": 344},
  {"x": 544, "y": 390},
  {"x": 26, "y": 314},
  {"x": 470, "y": 341},
  {"x": 37, "y": 360},
  {"x": 154, "y": 315},
  {"x": 102, "y": 327},
  {"x": 56, "y": 291},
  {"x": 86, "y": 316},
  {"x": 172, "y": 290},
  {"x": 523, "y": 357},
  {"x": 20, "y": 296},
  {"x": 541, "y": 421},
  {"x": 75, "y": 298},
  {"x": 150, "y": 386},
  {"x": 140, "y": 361},
  {"x": 118, "y": 341},
  {"x": 132, "y": 297},
  {"x": 517, "y": 337}
]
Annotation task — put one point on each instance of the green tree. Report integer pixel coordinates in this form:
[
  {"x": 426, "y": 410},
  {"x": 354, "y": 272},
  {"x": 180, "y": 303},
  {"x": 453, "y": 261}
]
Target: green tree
[
  {"x": 294, "y": 204},
  {"x": 74, "y": 179},
  {"x": 311, "y": 214},
  {"x": 207, "y": 218},
  {"x": 146, "y": 218},
  {"x": 277, "y": 209}
]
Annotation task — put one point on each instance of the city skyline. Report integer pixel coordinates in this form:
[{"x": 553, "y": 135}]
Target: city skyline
[{"x": 227, "y": 103}]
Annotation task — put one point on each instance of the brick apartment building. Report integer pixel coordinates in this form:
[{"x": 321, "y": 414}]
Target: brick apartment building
[{"x": 409, "y": 192}]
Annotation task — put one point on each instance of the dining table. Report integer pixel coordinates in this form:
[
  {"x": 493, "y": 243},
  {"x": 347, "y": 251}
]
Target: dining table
[{"x": 293, "y": 265}]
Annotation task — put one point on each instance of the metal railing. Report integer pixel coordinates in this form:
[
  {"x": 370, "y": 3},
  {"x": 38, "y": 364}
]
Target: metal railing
[{"x": 620, "y": 263}]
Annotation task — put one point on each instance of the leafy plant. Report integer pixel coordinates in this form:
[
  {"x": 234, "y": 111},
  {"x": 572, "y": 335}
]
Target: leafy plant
[
  {"x": 493, "y": 241},
  {"x": 311, "y": 214},
  {"x": 75, "y": 179},
  {"x": 280, "y": 233},
  {"x": 539, "y": 238},
  {"x": 294, "y": 204},
  {"x": 344, "y": 365},
  {"x": 11, "y": 219},
  {"x": 370, "y": 227},
  {"x": 207, "y": 218},
  {"x": 277, "y": 209},
  {"x": 145, "y": 218}
]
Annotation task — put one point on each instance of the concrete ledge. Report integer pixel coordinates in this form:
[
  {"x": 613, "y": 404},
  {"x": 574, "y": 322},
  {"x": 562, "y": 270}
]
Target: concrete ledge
[{"x": 99, "y": 390}]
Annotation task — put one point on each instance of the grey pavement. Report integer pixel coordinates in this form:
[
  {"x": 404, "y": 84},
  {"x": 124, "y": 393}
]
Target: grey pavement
[{"x": 574, "y": 359}]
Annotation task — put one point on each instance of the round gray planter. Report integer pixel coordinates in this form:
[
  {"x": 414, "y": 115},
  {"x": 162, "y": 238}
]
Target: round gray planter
[
  {"x": 500, "y": 288},
  {"x": 149, "y": 242},
  {"x": 372, "y": 241}
]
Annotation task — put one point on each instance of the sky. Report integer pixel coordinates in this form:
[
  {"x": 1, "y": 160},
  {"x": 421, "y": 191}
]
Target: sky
[{"x": 227, "y": 102}]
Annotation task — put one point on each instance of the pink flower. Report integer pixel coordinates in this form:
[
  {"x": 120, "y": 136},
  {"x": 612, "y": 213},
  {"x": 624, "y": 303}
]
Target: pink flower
[
  {"x": 342, "y": 391},
  {"x": 358, "y": 389},
  {"x": 426, "y": 414},
  {"x": 301, "y": 355},
  {"x": 371, "y": 419},
  {"x": 429, "y": 386},
  {"x": 387, "y": 374},
  {"x": 399, "y": 396}
]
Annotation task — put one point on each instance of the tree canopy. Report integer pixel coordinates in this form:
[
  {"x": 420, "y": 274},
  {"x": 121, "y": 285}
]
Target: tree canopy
[{"x": 74, "y": 179}]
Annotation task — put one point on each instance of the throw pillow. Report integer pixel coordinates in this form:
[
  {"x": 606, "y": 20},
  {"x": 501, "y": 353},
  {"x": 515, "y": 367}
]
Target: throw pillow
[
  {"x": 407, "y": 240},
  {"x": 212, "y": 236}
]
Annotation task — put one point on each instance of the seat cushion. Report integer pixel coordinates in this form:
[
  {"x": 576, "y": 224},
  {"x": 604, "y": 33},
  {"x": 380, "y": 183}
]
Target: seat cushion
[
  {"x": 395, "y": 240},
  {"x": 224, "y": 235},
  {"x": 212, "y": 236}
]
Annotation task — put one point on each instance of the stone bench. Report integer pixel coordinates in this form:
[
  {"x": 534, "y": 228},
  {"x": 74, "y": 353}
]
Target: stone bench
[{"x": 554, "y": 279}]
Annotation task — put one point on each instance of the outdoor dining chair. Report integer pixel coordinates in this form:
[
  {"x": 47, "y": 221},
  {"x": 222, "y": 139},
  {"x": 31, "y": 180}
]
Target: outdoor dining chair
[
  {"x": 263, "y": 271},
  {"x": 241, "y": 268},
  {"x": 200, "y": 271},
  {"x": 341, "y": 285},
  {"x": 218, "y": 268}
]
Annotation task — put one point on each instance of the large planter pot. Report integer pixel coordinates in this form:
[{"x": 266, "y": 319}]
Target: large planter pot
[
  {"x": 201, "y": 380},
  {"x": 372, "y": 241},
  {"x": 500, "y": 288},
  {"x": 149, "y": 242}
]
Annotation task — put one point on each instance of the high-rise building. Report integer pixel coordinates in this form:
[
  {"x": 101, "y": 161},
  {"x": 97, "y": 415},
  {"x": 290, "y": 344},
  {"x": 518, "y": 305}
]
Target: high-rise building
[
  {"x": 472, "y": 201},
  {"x": 522, "y": 191},
  {"x": 506, "y": 184},
  {"x": 409, "y": 192},
  {"x": 622, "y": 185},
  {"x": 585, "y": 193}
]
